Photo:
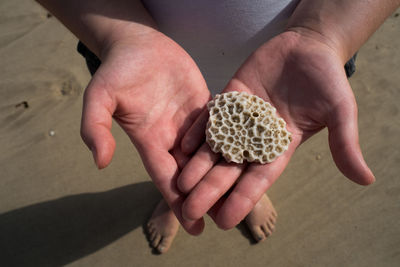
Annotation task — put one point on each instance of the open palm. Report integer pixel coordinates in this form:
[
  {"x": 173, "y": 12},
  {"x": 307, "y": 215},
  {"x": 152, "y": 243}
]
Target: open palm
[
  {"x": 306, "y": 82},
  {"x": 154, "y": 90}
]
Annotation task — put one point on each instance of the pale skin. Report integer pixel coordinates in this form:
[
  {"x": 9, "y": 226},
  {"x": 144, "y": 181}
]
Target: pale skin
[
  {"x": 301, "y": 73},
  {"x": 146, "y": 82},
  {"x": 154, "y": 104},
  {"x": 155, "y": 91}
]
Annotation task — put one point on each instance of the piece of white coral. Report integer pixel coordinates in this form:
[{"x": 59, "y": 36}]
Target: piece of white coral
[{"x": 245, "y": 127}]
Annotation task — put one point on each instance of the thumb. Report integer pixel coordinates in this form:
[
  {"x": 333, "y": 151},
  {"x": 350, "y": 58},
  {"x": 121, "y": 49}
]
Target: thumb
[
  {"x": 98, "y": 108},
  {"x": 344, "y": 144}
]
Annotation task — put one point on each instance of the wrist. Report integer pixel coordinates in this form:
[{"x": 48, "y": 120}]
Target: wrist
[
  {"x": 343, "y": 25},
  {"x": 329, "y": 41},
  {"x": 119, "y": 33},
  {"x": 101, "y": 23}
]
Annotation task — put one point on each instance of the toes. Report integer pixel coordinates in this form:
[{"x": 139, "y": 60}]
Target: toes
[
  {"x": 152, "y": 235},
  {"x": 272, "y": 221},
  {"x": 273, "y": 218},
  {"x": 158, "y": 241},
  {"x": 165, "y": 244},
  {"x": 271, "y": 226},
  {"x": 257, "y": 233},
  {"x": 155, "y": 241},
  {"x": 274, "y": 214},
  {"x": 266, "y": 230},
  {"x": 150, "y": 231},
  {"x": 149, "y": 227}
]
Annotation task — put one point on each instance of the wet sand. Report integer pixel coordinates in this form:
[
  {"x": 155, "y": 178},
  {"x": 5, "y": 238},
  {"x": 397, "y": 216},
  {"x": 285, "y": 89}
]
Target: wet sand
[{"x": 56, "y": 208}]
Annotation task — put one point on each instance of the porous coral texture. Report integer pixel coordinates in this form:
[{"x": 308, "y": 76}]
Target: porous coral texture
[{"x": 245, "y": 127}]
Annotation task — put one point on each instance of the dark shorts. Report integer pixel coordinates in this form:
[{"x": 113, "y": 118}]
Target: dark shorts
[{"x": 93, "y": 62}]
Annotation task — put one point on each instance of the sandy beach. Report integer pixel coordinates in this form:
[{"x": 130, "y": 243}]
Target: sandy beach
[{"x": 57, "y": 209}]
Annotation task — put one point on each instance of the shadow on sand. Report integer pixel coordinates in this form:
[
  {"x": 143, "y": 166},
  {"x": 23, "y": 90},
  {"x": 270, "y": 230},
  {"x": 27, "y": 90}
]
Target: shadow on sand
[{"x": 60, "y": 231}]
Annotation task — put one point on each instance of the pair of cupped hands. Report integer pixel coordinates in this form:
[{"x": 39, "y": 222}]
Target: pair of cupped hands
[{"x": 156, "y": 93}]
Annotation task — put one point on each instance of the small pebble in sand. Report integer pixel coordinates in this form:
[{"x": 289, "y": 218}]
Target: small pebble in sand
[{"x": 52, "y": 132}]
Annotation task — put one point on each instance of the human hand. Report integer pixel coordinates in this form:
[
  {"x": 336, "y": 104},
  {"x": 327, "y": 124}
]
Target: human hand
[
  {"x": 304, "y": 79},
  {"x": 154, "y": 90}
]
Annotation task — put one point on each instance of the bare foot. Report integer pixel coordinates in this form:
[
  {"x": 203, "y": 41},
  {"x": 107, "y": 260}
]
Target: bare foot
[
  {"x": 162, "y": 227},
  {"x": 261, "y": 220}
]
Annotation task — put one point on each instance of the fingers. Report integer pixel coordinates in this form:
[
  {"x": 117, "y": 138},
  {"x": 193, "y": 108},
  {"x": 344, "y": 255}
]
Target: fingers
[
  {"x": 98, "y": 108},
  {"x": 197, "y": 168},
  {"x": 206, "y": 195},
  {"x": 344, "y": 145},
  {"x": 211, "y": 188},
  {"x": 253, "y": 183},
  {"x": 164, "y": 171},
  {"x": 180, "y": 158},
  {"x": 245, "y": 196},
  {"x": 195, "y": 136}
]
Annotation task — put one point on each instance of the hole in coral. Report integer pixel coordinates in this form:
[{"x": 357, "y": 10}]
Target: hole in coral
[
  {"x": 214, "y": 130},
  {"x": 258, "y": 152},
  {"x": 228, "y": 123},
  {"x": 220, "y": 137},
  {"x": 236, "y": 118},
  {"x": 215, "y": 111},
  {"x": 230, "y": 109},
  {"x": 224, "y": 130},
  {"x": 239, "y": 108}
]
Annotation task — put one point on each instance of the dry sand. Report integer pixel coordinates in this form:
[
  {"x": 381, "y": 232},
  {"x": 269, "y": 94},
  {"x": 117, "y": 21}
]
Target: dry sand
[{"x": 56, "y": 208}]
